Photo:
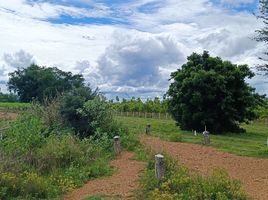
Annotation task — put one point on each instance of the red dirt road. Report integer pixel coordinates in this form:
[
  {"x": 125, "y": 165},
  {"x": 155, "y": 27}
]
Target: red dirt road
[
  {"x": 122, "y": 183},
  {"x": 252, "y": 172}
]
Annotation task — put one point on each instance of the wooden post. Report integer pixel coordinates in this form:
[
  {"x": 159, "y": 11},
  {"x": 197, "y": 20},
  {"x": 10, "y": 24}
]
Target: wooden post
[
  {"x": 148, "y": 129},
  {"x": 166, "y": 115},
  {"x": 117, "y": 146},
  {"x": 159, "y": 167}
]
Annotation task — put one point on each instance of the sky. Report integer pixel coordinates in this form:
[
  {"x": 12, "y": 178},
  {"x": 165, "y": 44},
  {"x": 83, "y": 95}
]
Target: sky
[{"x": 126, "y": 47}]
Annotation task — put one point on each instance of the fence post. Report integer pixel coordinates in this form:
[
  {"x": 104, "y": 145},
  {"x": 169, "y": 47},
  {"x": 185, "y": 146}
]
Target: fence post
[
  {"x": 148, "y": 129},
  {"x": 206, "y": 137},
  {"x": 159, "y": 167},
  {"x": 117, "y": 146}
]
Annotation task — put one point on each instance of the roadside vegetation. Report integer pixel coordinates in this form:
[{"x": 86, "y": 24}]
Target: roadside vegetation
[{"x": 180, "y": 183}]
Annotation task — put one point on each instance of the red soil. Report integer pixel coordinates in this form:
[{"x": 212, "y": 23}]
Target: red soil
[{"x": 123, "y": 183}]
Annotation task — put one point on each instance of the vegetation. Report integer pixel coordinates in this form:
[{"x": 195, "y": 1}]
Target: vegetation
[
  {"x": 8, "y": 97},
  {"x": 252, "y": 143},
  {"x": 179, "y": 183},
  {"x": 7, "y": 106},
  {"x": 262, "y": 34},
  {"x": 42, "y": 161},
  {"x": 209, "y": 91},
  {"x": 137, "y": 105},
  {"x": 35, "y": 82}
]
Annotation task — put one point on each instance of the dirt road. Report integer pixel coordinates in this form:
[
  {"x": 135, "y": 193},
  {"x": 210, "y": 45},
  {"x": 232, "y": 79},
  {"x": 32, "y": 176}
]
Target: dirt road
[{"x": 122, "y": 183}]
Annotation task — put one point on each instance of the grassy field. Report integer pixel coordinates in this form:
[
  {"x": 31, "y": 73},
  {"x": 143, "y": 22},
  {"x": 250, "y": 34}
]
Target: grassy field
[
  {"x": 252, "y": 143},
  {"x": 4, "y": 106}
]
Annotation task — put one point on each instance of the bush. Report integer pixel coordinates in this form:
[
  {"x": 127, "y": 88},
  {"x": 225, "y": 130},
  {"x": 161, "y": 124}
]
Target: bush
[
  {"x": 36, "y": 163},
  {"x": 58, "y": 152},
  {"x": 70, "y": 103},
  {"x": 98, "y": 115},
  {"x": 179, "y": 183},
  {"x": 24, "y": 135}
]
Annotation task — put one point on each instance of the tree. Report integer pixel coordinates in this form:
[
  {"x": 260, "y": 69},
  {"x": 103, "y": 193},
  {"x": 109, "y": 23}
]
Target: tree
[
  {"x": 209, "y": 91},
  {"x": 262, "y": 34},
  {"x": 35, "y": 82}
]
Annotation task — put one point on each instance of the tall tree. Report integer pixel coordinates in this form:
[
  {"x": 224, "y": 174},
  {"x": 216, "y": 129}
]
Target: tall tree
[
  {"x": 209, "y": 91},
  {"x": 35, "y": 82},
  {"x": 262, "y": 34}
]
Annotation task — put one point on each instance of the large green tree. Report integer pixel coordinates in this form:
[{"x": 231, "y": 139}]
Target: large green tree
[
  {"x": 35, "y": 82},
  {"x": 212, "y": 92},
  {"x": 262, "y": 34}
]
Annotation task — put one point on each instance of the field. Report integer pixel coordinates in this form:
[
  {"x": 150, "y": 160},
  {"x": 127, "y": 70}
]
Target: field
[
  {"x": 252, "y": 143},
  {"x": 127, "y": 167},
  {"x": 13, "y": 107}
]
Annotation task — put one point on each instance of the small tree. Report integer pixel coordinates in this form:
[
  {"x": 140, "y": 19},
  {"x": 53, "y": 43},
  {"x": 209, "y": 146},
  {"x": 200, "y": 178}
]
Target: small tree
[{"x": 209, "y": 91}]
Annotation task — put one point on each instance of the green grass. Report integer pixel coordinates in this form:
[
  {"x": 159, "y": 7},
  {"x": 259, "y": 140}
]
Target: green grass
[
  {"x": 252, "y": 143},
  {"x": 5, "y": 106}
]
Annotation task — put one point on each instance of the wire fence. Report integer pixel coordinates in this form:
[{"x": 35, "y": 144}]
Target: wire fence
[{"x": 144, "y": 115}]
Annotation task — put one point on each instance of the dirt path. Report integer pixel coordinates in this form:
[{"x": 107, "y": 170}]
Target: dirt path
[
  {"x": 122, "y": 183},
  {"x": 252, "y": 172}
]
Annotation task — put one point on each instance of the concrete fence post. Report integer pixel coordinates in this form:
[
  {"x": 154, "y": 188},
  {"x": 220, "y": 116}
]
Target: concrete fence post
[
  {"x": 117, "y": 146},
  {"x": 148, "y": 129},
  {"x": 206, "y": 137},
  {"x": 159, "y": 167}
]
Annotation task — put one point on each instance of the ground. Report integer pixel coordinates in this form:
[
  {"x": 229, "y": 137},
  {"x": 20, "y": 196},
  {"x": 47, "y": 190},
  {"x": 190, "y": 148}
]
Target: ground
[
  {"x": 122, "y": 184},
  {"x": 252, "y": 172}
]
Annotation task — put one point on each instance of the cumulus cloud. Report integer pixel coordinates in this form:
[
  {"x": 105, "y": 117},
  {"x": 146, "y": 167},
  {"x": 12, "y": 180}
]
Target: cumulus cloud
[
  {"x": 20, "y": 59},
  {"x": 135, "y": 60}
]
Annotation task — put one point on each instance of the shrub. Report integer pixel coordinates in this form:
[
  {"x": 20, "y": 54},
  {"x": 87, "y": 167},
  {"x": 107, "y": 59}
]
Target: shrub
[
  {"x": 69, "y": 105},
  {"x": 58, "y": 152},
  {"x": 98, "y": 115},
  {"x": 24, "y": 135}
]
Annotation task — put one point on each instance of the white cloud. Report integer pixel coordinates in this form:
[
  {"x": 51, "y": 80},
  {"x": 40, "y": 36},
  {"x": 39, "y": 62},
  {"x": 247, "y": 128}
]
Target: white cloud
[{"x": 134, "y": 58}]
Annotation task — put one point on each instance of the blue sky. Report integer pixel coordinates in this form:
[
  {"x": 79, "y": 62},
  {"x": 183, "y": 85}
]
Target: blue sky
[{"x": 126, "y": 48}]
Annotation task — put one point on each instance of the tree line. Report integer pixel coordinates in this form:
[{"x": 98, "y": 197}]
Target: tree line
[{"x": 137, "y": 105}]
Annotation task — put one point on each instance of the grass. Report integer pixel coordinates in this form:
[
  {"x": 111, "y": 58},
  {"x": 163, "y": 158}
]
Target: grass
[
  {"x": 6, "y": 106},
  {"x": 252, "y": 143},
  {"x": 180, "y": 183}
]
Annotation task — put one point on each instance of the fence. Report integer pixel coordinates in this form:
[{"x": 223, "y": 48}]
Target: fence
[{"x": 144, "y": 115}]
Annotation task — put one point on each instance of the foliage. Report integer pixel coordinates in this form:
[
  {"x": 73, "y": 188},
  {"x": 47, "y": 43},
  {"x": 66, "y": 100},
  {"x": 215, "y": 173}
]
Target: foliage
[
  {"x": 209, "y": 91},
  {"x": 35, "y": 82},
  {"x": 137, "y": 105},
  {"x": 87, "y": 112},
  {"x": 38, "y": 163},
  {"x": 70, "y": 103},
  {"x": 262, "y": 110},
  {"x": 98, "y": 115},
  {"x": 8, "y": 97},
  {"x": 13, "y": 107},
  {"x": 262, "y": 34},
  {"x": 179, "y": 183}
]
